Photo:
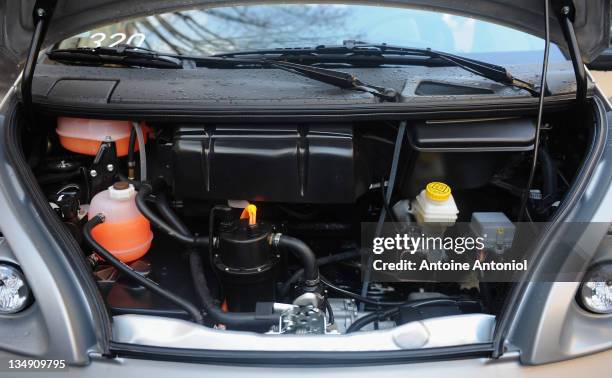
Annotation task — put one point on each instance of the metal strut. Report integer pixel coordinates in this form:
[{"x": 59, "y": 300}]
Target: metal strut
[
  {"x": 566, "y": 18},
  {"x": 43, "y": 10}
]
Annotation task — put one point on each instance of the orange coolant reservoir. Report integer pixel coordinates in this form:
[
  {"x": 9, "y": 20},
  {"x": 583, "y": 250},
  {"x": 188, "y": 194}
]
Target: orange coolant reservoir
[
  {"x": 125, "y": 233},
  {"x": 84, "y": 136}
]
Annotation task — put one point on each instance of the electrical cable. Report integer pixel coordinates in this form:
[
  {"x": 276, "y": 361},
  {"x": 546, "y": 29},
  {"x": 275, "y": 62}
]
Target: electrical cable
[
  {"x": 534, "y": 162},
  {"x": 330, "y": 312}
]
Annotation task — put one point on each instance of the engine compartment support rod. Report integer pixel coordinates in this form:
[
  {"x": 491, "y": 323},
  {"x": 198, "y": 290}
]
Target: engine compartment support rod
[
  {"x": 43, "y": 11},
  {"x": 566, "y": 19}
]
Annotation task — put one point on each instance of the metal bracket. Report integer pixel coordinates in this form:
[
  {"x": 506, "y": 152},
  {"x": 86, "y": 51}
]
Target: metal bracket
[
  {"x": 566, "y": 18},
  {"x": 42, "y": 13},
  {"x": 103, "y": 169}
]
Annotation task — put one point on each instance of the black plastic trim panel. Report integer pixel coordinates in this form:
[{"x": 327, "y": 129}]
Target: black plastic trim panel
[{"x": 504, "y": 107}]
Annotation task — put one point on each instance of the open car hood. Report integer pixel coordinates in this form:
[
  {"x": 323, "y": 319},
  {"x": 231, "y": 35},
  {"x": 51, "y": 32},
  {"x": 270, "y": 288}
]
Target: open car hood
[{"x": 591, "y": 18}]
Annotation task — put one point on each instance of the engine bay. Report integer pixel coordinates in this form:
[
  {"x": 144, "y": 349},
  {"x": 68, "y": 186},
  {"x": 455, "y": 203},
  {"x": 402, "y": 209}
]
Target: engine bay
[{"x": 258, "y": 227}]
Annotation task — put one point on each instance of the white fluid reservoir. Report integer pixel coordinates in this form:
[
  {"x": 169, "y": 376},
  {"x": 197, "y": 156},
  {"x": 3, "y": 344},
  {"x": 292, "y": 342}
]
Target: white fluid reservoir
[{"x": 435, "y": 205}]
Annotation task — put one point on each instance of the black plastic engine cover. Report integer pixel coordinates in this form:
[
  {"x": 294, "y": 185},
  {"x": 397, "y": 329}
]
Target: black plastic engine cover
[{"x": 314, "y": 164}]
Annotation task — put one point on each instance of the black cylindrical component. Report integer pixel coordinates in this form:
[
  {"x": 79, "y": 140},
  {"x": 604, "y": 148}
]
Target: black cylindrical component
[
  {"x": 246, "y": 265},
  {"x": 234, "y": 320}
]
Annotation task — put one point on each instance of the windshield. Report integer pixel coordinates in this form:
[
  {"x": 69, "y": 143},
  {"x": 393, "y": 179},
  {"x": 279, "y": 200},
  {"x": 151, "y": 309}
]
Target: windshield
[{"x": 208, "y": 31}]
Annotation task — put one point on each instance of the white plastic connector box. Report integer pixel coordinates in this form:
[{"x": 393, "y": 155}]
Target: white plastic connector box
[{"x": 496, "y": 230}]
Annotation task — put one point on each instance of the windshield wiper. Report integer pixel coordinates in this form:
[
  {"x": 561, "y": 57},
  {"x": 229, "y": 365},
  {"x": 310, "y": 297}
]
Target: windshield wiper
[
  {"x": 123, "y": 55},
  {"x": 135, "y": 56},
  {"x": 377, "y": 52},
  {"x": 339, "y": 79}
]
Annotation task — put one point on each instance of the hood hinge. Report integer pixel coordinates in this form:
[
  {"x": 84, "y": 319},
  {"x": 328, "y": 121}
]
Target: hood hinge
[
  {"x": 566, "y": 18},
  {"x": 43, "y": 11}
]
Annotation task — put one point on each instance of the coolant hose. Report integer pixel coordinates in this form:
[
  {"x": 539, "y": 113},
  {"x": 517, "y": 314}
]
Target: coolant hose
[
  {"x": 129, "y": 272},
  {"x": 144, "y": 191},
  {"x": 284, "y": 289},
  {"x": 231, "y": 319},
  {"x": 303, "y": 252},
  {"x": 163, "y": 206}
]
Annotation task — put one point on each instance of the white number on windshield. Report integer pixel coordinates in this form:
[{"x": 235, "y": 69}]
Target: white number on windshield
[{"x": 99, "y": 39}]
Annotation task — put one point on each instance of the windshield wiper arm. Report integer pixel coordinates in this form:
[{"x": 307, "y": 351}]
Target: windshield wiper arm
[
  {"x": 339, "y": 79},
  {"x": 487, "y": 70},
  {"x": 123, "y": 55},
  {"x": 356, "y": 49}
]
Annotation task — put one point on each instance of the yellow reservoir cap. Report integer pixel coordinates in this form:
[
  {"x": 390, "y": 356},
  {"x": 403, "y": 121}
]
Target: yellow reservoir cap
[{"x": 438, "y": 191}]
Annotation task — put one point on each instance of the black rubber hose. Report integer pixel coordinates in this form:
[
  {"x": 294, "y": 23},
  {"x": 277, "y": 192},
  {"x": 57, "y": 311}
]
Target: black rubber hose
[
  {"x": 231, "y": 319},
  {"x": 145, "y": 190},
  {"x": 302, "y": 251},
  {"x": 371, "y": 317},
  {"x": 132, "y": 145},
  {"x": 130, "y": 273},
  {"x": 320, "y": 261},
  {"x": 163, "y": 206},
  {"x": 549, "y": 174},
  {"x": 131, "y": 148}
]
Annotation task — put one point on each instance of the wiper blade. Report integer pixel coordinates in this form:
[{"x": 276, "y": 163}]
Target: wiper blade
[
  {"x": 487, "y": 70},
  {"x": 361, "y": 50},
  {"x": 123, "y": 55},
  {"x": 339, "y": 79}
]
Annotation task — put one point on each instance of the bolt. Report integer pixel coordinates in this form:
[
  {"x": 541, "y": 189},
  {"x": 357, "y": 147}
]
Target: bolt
[
  {"x": 110, "y": 167},
  {"x": 40, "y": 12},
  {"x": 227, "y": 269},
  {"x": 93, "y": 173},
  {"x": 565, "y": 10},
  {"x": 108, "y": 138}
]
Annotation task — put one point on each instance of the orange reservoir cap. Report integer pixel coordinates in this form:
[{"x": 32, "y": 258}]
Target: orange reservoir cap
[
  {"x": 125, "y": 233},
  {"x": 84, "y": 136},
  {"x": 250, "y": 213}
]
